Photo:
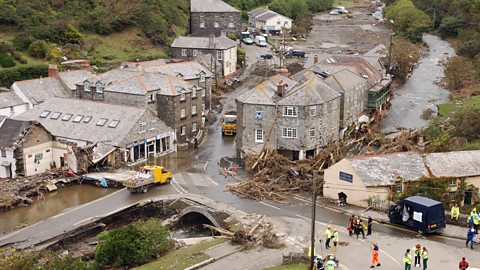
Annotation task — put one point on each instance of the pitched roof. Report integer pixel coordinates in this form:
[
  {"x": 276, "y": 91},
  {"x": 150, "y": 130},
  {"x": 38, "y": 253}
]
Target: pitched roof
[
  {"x": 258, "y": 11},
  {"x": 266, "y": 15},
  {"x": 265, "y": 92},
  {"x": 89, "y": 131},
  {"x": 11, "y": 131},
  {"x": 344, "y": 79},
  {"x": 454, "y": 164},
  {"x": 312, "y": 92},
  {"x": 211, "y": 6},
  {"x": 9, "y": 99},
  {"x": 221, "y": 43},
  {"x": 71, "y": 78},
  {"x": 39, "y": 90},
  {"x": 383, "y": 170},
  {"x": 187, "y": 70},
  {"x": 141, "y": 83}
]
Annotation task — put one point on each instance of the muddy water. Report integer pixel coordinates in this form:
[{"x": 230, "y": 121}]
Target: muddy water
[
  {"x": 54, "y": 203},
  {"x": 413, "y": 97}
]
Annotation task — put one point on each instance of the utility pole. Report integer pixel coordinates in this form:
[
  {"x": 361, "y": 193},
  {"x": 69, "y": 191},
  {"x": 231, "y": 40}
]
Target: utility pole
[
  {"x": 314, "y": 202},
  {"x": 215, "y": 72},
  {"x": 434, "y": 16},
  {"x": 390, "y": 54}
]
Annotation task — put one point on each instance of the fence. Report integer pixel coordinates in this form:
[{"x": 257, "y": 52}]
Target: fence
[{"x": 378, "y": 204}]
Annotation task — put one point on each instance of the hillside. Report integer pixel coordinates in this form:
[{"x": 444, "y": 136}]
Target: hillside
[{"x": 104, "y": 31}]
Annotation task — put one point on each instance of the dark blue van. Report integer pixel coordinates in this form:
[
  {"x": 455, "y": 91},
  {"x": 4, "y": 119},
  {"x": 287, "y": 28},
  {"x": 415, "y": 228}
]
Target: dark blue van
[{"x": 420, "y": 213}]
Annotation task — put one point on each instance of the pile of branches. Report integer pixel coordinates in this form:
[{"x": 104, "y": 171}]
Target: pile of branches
[{"x": 275, "y": 177}]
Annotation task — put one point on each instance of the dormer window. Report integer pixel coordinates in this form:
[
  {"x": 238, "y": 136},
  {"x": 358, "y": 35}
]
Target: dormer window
[
  {"x": 202, "y": 77},
  {"x": 182, "y": 95},
  {"x": 194, "y": 92},
  {"x": 99, "y": 87},
  {"x": 86, "y": 86}
]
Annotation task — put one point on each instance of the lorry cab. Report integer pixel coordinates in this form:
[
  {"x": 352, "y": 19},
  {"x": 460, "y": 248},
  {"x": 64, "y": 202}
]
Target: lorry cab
[
  {"x": 420, "y": 213},
  {"x": 160, "y": 174},
  {"x": 229, "y": 124}
]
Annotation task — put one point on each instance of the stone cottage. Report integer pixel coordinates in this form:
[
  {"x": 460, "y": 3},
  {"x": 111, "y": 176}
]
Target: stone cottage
[{"x": 213, "y": 17}]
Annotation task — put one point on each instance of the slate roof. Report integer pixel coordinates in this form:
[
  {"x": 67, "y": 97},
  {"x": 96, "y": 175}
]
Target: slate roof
[
  {"x": 211, "y": 6},
  {"x": 9, "y": 99},
  {"x": 383, "y": 170},
  {"x": 258, "y": 11},
  {"x": 186, "y": 70},
  {"x": 221, "y": 43},
  {"x": 141, "y": 83},
  {"x": 344, "y": 79},
  {"x": 39, "y": 90},
  {"x": 314, "y": 91},
  {"x": 264, "y": 93},
  {"x": 71, "y": 78},
  {"x": 89, "y": 132},
  {"x": 11, "y": 131},
  {"x": 267, "y": 15},
  {"x": 454, "y": 164}
]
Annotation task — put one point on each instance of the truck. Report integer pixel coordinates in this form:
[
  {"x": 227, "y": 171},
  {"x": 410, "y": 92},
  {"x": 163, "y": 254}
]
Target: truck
[
  {"x": 229, "y": 123},
  {"x": 420, "y": 213},
  {"x": 147, "y": 177},
  {"x": 260, "y": 41}
]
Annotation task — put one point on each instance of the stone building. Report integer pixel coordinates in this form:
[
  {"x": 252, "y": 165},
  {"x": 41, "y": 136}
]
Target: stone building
[
  {"x": 137, "y": 131},
  {"x": 222, "y": 48},
  {"x": 296, "y": 118},
  {"x": 213, "y": 17}
]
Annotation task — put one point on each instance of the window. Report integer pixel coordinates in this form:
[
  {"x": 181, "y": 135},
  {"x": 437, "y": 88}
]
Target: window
[
  {"x": 202, "y": 77},
  {"x": 182, "y": 96},
  {"x": 453, "y": 183},
  {"x": 194, "y": 127},
  {"x": 258, "y": 113},
  {"x": 313, "y": 110},
  {"x": 114, "y": 123},
  {"x": 4, "y": 153},
  {"x": 182, "y": 113},
  {"x": 290, "y": 111},
  {"x": 44, "y": 114},
  {"x": 278, "y": 22},
  {"x": 56, "y": 115},
  {"x": 202, "y": 24},
  {"x": 78, "y": 118},
  {"x": 194, "y": 109},
  {"x": 99, "y": 87},
  {"x": 194, "y": 52},
  {"x": 312, "y": 132},
  {"x": 219, "y": 55},
  {"x": 151, "y": 125},
  {"x": 259, "y": 135},
  {"x": 194, "y": 92},
  {"x": 289, "y": 132},
  {"x": 67, "y": 117},
  {"x": 143, "y": 127},
  {"x": 398, "y": 186},
  {"x": 102, "y": 122},
  {"x": 231, "y": 25},
  {"x": 184, "y": 52},
  {"x": 203, "y": 92},
  {"x": 203, "y": 108},
  {"x": 216, "y": 24},
  {"x": 183, "y": 131},
  {"x": 86, "y": 86},
  {"x": 38, "y": 157},
  {"x": 151, "y": 98},
  {"x": 87, "y": 119}
]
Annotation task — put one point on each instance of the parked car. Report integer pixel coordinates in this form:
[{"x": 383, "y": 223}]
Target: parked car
[
  {"x": 298, "y": 53},
  {"x": 266, "y": 56},
  {"x": 248, "y": 41},
  {"x": 334, "y": 12},
  {"x": 342, "y": 10}
]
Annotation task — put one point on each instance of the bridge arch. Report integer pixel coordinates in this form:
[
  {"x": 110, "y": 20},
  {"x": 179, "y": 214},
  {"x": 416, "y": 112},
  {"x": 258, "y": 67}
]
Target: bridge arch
[{"x": 195, "y": 212}]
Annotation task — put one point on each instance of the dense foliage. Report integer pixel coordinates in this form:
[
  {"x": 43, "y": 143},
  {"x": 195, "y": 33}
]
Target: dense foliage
[
  {"x": 22, "y": 72},
  {"x": 44, "y": 260},
  {"x": 409, "y": 21},
  {"x": 132, "y": 245}
]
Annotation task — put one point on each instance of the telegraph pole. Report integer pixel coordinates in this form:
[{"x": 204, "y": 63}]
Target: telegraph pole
[{"x": 390, "y": 54}]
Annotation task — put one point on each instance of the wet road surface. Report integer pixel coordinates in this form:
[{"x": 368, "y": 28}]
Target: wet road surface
[{"x": 413, "y": 97}]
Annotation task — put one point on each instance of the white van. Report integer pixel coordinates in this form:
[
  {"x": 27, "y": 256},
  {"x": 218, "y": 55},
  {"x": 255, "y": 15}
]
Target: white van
[{"x": 260, "y": 41}]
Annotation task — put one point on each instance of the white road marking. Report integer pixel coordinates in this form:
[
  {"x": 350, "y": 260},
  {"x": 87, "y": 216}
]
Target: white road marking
[
  {"x": 269, "y": 205},
  {"x": 215, "y": 183},
  {"x": 178, "y": 187},
  {"x": 205, "y": 167},
  {"x": 343, "y": 266},
  {"x": 390, "y": 256}
]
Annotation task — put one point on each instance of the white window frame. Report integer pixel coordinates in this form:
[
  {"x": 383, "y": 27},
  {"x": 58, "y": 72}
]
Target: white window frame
[
  {"x": 194, "y": 92},
  {"x": 313, "y": 110},
  {"x": 290, "y": 111},
  {"x": 202, "y": 23},
  {"x": 289, "y": 133},
  {"x": 312, "y": 132},
  {"x": 152, "y": 124},
  {"x": 184, "y": 52},
  {"x": 56, "y": 115},
  {"x": 143, "y": 127},
  {"x": 114, "y": 123},
  {"x": 194, "y": 109},
  {"x": 202, "y": 78},
  {"x": 86, "y": 86},
  {"x": 194, "y": 52},
  {"x": 78, "y": 118},
  {"x": 203, "y": 92},
  {"x": 194, "y": 127},
  {"x": 259, "y": 135},
  {"x": 216, "y": 25},
  {"x": 231, "y": 25},
  {"x": 182, "y": 113},
  {"x": 67, "y": 117},
  {"x": 99, "y": 88},
  {"x": 182, "y": 96},
  {"x": 183, "y": 131},
  {"x": 452, "y": 183},
  {"x": 101, "y": 122},
  {"x": 219, "y": 55},
  {"x": 45, "y": 114}
]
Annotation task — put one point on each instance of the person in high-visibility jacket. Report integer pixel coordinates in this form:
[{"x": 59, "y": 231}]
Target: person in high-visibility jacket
[
  {"x": 425, "y": 258},
  {"x": 375, "y": 261},
  {"x": 455, "y": 213},
  {"x": 417, "y": 250},
  {"x": 331, "y": 264},
  {"x": 311, "y": 252},
  {"x": 476, "y": 222},
  {"x": 407, "y": 260},
  {"x": 328, "y": 237},
  {"x": 335, "y": 239}
]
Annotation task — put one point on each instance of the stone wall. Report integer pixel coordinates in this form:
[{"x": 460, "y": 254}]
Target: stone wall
[{"x": 228, "y": 22}]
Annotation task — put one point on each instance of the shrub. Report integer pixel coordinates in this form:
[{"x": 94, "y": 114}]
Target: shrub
[
  {"x": 6, "y": 60},
  {"x": 38, "y": 48},
  {"x": 241, "y": 56},
  {"x": 22, "y": 72},
  {"x": 467, "y": 122},
  {"x": 22, "y": 41},
  {"x": 232, "y": 36},
  {"x": 41, "y": 260},
  {"x": 132, "y": 245}
]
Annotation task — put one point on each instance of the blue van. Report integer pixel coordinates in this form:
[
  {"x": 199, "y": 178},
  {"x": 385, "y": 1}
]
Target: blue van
[{"x": 420, "y": 213}]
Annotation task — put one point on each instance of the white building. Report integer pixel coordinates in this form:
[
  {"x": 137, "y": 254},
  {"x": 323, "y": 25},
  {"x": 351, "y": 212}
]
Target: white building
[
  {"x": 11, "y": 105},
  {"x": 269, "y": 21}
]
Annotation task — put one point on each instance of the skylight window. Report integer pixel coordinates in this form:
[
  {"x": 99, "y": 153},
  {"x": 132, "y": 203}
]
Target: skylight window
[
  {"x": 114, "y": 123},
  {"x": 87, "y": 119},
  {"x": 102, "y": 122},
  {"x": 44, "y": 114},
  {"x": 78, "y": 118},
  {"x": 67, "y": 117},
  {"x": 56, "y": 115}
]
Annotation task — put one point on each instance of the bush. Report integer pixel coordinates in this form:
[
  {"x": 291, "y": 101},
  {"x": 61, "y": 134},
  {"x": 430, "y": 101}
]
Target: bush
[
  {"x": 6, "y": 60},
  {"x": 22, "y": 41},
  {"x": 469, "y": 48},
  {"x": 467, "y": 122},
  {"x": 241, "y": 56},
  {"x": 132, "y": 245},
  {"x": 38, "y": 48},
  {"x": 450, "y": 26},
  {"x": 232, "y": 36},
  {"x": 22, "y": 72},
  {"x": 409, "y": 21},
  {"x": 42, "y": 260}
]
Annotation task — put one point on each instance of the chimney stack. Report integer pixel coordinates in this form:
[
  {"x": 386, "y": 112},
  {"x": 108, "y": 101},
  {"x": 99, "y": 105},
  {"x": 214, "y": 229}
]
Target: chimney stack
[
  {"x": 52, "y": 71},
  {"x": 281, "y": 88},
  {"x": 315, "y": 59}
]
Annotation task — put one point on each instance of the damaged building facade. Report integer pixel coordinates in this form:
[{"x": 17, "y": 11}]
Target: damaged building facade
[
  {"x": 27, "y": 148},
  {"x": 296, "y": 118}
]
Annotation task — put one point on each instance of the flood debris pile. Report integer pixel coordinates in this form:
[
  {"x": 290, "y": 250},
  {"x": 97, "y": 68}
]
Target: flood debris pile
[{"x": 275, "y": 177}]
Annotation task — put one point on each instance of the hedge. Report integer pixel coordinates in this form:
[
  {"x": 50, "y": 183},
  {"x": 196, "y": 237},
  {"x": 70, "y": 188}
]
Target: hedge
[{"x": 22, "y": 72}]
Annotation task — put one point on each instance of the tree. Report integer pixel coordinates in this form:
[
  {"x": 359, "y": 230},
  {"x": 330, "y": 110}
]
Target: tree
[
  {"x": 449, "y": 26},
  {"x": 469, "y": 48},
  {"x": 38, "y": 48},
  {"x": 467, "y": 122},
  {"x": 302, "y": 25},
  {"x": 460, "y": 72},
  {"x": 404, "y": 56}
]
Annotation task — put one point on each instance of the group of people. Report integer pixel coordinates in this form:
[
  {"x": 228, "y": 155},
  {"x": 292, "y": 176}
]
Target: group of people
[
  {"x": 356, "y": 226},
  {"x": 420, "y": 255},
  {"x": 331, "y": 237}
]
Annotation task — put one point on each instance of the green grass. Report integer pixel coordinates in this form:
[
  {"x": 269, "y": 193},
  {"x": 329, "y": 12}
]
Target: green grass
[
  {"x": 447, "y": 109},
  {"x": 299, "y": 266},
  {"x": 346, "y": 3},
  {"x": 184, "y": 257}
]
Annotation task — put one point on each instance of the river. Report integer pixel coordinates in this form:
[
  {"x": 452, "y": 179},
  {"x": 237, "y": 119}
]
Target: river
[
  {"x": 412, "y": 98},
  {"x": 55, "y": 203}
]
